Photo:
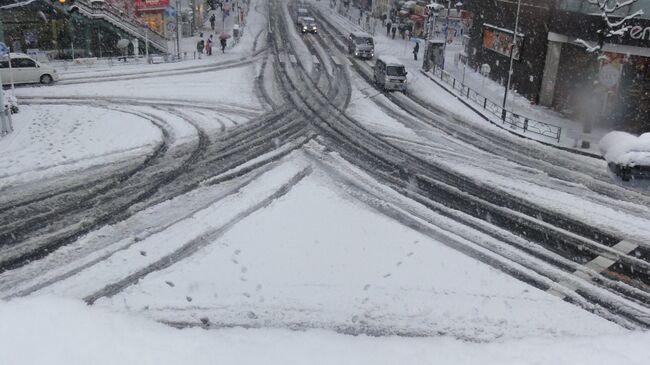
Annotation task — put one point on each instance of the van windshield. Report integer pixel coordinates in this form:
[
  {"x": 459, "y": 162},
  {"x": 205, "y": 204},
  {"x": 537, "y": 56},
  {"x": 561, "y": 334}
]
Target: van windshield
[
  {"x": 395, "y": 71},
  {"x": 364, "y": 41}
]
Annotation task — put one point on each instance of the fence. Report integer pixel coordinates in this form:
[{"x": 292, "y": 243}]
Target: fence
[{"x": 513, "y": 120}]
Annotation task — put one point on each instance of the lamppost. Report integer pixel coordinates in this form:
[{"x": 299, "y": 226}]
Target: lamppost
[{"x": 512, "y": 46}]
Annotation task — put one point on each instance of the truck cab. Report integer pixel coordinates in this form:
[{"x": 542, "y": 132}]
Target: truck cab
[
  {"x": 389, "y": 74},
  {"x": 361, "y": 45}
]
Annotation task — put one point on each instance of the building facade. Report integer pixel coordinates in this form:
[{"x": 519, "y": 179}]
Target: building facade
[
  {"x": 491, "y": 39},
  {"x": 552, "y": 67}
]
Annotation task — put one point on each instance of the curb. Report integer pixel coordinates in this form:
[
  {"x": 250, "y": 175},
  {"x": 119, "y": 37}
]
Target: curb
[{"x": 482, "y": 115}]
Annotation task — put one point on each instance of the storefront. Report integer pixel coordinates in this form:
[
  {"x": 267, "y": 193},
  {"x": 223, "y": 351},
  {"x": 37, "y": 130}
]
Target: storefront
[
  {"x": 614, "y": 91},
  {"x": 491, "y": 38},
  {"x": 152, "y": 12}
]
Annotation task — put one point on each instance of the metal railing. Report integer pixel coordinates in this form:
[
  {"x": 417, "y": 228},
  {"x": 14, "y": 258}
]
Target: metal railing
[{"x": 513, "y": 120}]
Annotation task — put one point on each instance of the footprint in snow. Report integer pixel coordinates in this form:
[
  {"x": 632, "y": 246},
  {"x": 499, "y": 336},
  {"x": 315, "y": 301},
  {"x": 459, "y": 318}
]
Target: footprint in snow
[
  {"x": 188, "y": 298},
  {"x": 258, "y": 287},
  {"x": 399, "y": 263},
  {"x": 170, "y": 283},
  {"x": 409, "y": 254},
  {"x": 387, "y": 275},
  {"x": 247, "y": 295},
  {"x": 237, "y": 252},
  {"x": 234, "y": 261},
  {"x": 143, "y": 253},
  {"x": 244, "y": 269},
  {"x": 366, "y": 287}
]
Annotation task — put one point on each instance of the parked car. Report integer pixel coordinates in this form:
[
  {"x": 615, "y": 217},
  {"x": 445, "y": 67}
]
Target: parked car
[
  {"x": 361, "y": 45},
  {"x": 308, "y": 25},
  {"x": 26, "y": 70},
  {"x": 390, "y": 74},
  {"x": 627, "y": 155}
]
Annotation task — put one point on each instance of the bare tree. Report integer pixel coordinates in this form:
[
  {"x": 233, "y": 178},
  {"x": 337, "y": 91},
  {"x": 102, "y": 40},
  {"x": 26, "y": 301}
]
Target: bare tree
[{"x": 614, "y": 25}]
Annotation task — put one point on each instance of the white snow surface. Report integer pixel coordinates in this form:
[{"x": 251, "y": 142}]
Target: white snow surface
[
  {"x": 625, "y": 148},
  {"x": 52, "y": 330},
  {"x": 55, "y": 139}
]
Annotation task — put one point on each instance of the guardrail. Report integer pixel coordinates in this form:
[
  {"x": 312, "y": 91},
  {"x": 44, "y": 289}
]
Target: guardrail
[{"x": 513, "y": 120}]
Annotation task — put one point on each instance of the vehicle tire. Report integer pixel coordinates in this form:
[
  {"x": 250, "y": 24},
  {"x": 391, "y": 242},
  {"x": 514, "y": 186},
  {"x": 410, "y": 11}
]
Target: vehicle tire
[{"x": 46, "y": 79}]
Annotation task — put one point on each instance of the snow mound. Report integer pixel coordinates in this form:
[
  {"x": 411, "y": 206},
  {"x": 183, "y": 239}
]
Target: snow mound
[
  {"x": 51, "y": 330},
  {"x": 626, "y": 149}
]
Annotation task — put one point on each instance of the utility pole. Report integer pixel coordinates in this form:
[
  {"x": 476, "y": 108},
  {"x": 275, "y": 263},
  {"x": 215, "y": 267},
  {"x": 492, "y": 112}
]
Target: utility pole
[
  {"x": 193, "y": 18},
  {"x": 514, "y": 44},
  {"x": 178, "y": 30}
]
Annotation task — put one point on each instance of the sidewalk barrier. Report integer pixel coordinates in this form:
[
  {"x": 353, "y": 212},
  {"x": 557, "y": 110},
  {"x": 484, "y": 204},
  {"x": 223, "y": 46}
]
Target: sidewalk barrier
[
  {"x": 6, "y": 124},
  {"x": 514, "y": 120}
]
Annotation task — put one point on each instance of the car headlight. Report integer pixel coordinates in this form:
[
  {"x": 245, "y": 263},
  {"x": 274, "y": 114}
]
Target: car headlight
[
  {"x": 304, "y": 28},
  {"x": 356, "y": 53}
]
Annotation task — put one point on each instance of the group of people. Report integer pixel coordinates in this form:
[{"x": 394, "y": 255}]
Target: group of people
[
  {"x": 404, "y": 30},
  {"x": 205, "y": 46}
]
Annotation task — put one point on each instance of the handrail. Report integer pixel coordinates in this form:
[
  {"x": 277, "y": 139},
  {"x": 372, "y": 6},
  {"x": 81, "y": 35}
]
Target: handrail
[{"x": 514, "y": 120}]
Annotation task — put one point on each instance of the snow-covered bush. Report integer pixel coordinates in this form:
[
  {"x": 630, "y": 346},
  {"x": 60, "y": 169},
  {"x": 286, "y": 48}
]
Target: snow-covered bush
[{"x": 11, "y": 102}]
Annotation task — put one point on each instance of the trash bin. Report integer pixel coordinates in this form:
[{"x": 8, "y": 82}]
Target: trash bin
[{"x": 235, "y": 31}]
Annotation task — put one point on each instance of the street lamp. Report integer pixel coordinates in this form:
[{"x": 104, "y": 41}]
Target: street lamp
[{"x": 512, "y": 46}]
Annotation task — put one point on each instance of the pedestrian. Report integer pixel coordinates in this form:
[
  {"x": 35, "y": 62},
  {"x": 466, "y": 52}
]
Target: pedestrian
[
  {"x": 200, "y": 45},
  {"x": 393, "y": 30},
  {"x": 213, "y": 19},
  {"x": 416, "y": 49},
  {"x": 388, "y": 26},
  {"x": 223, "y": 45},
  {"x": 208, "y": 46}
]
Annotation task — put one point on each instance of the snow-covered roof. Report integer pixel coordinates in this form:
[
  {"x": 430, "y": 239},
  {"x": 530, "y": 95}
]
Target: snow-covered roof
[
  {"x": 390, "y": 61},
  {"x": 626, "y": 149},
  {"x": 361, "y": 34}
]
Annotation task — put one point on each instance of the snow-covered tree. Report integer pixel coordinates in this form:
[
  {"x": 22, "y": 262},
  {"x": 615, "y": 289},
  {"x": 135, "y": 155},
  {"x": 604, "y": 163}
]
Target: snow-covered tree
[{"x": 614, "y": 24}]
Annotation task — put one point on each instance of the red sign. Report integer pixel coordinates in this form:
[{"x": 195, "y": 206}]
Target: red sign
[{"x": 151, "y": 4}]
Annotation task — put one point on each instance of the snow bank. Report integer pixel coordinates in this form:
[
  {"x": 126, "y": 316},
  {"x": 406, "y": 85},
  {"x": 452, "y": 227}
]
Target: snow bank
[
  {"x": 627, "y": 149},
  {"x": 51, "y": 330}
]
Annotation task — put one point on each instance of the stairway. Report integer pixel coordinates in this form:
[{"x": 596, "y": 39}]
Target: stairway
[{"x": 129, "y": 25}]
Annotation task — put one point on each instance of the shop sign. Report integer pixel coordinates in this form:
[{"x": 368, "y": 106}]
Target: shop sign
[
  {"x": 610, "y": 71},
  {"x": 639, "y": 32},
  {"x": 500, "y": 41},
  {"x": 151, "y": 4}
]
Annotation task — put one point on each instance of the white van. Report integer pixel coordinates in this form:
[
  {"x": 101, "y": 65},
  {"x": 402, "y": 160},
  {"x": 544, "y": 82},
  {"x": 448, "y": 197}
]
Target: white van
[
  {"x": 361, "y": 45},
  {"x": 25, "y": 70},
  {"x": 390, "y": 74}
]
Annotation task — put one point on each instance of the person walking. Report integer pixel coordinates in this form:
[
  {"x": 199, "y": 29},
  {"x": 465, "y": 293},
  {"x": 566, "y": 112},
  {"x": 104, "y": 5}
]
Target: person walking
[
  {"x": 416, "y": 49},
  {"x": 393, "y": 30},
  {"x": 208, "y": 46},
  {"x": 200, "y": 45},
  {"x": 388, "y": 26},
  {"x": 223, "y": 45},
  {"x": 213, "y": 19}
]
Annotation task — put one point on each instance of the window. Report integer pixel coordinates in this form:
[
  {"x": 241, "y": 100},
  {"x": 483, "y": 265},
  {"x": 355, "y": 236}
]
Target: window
[
  {"x": 22, "y": 62},
  {"x": 395, "y": 71},
  {"x": 4, "y": 64}
]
